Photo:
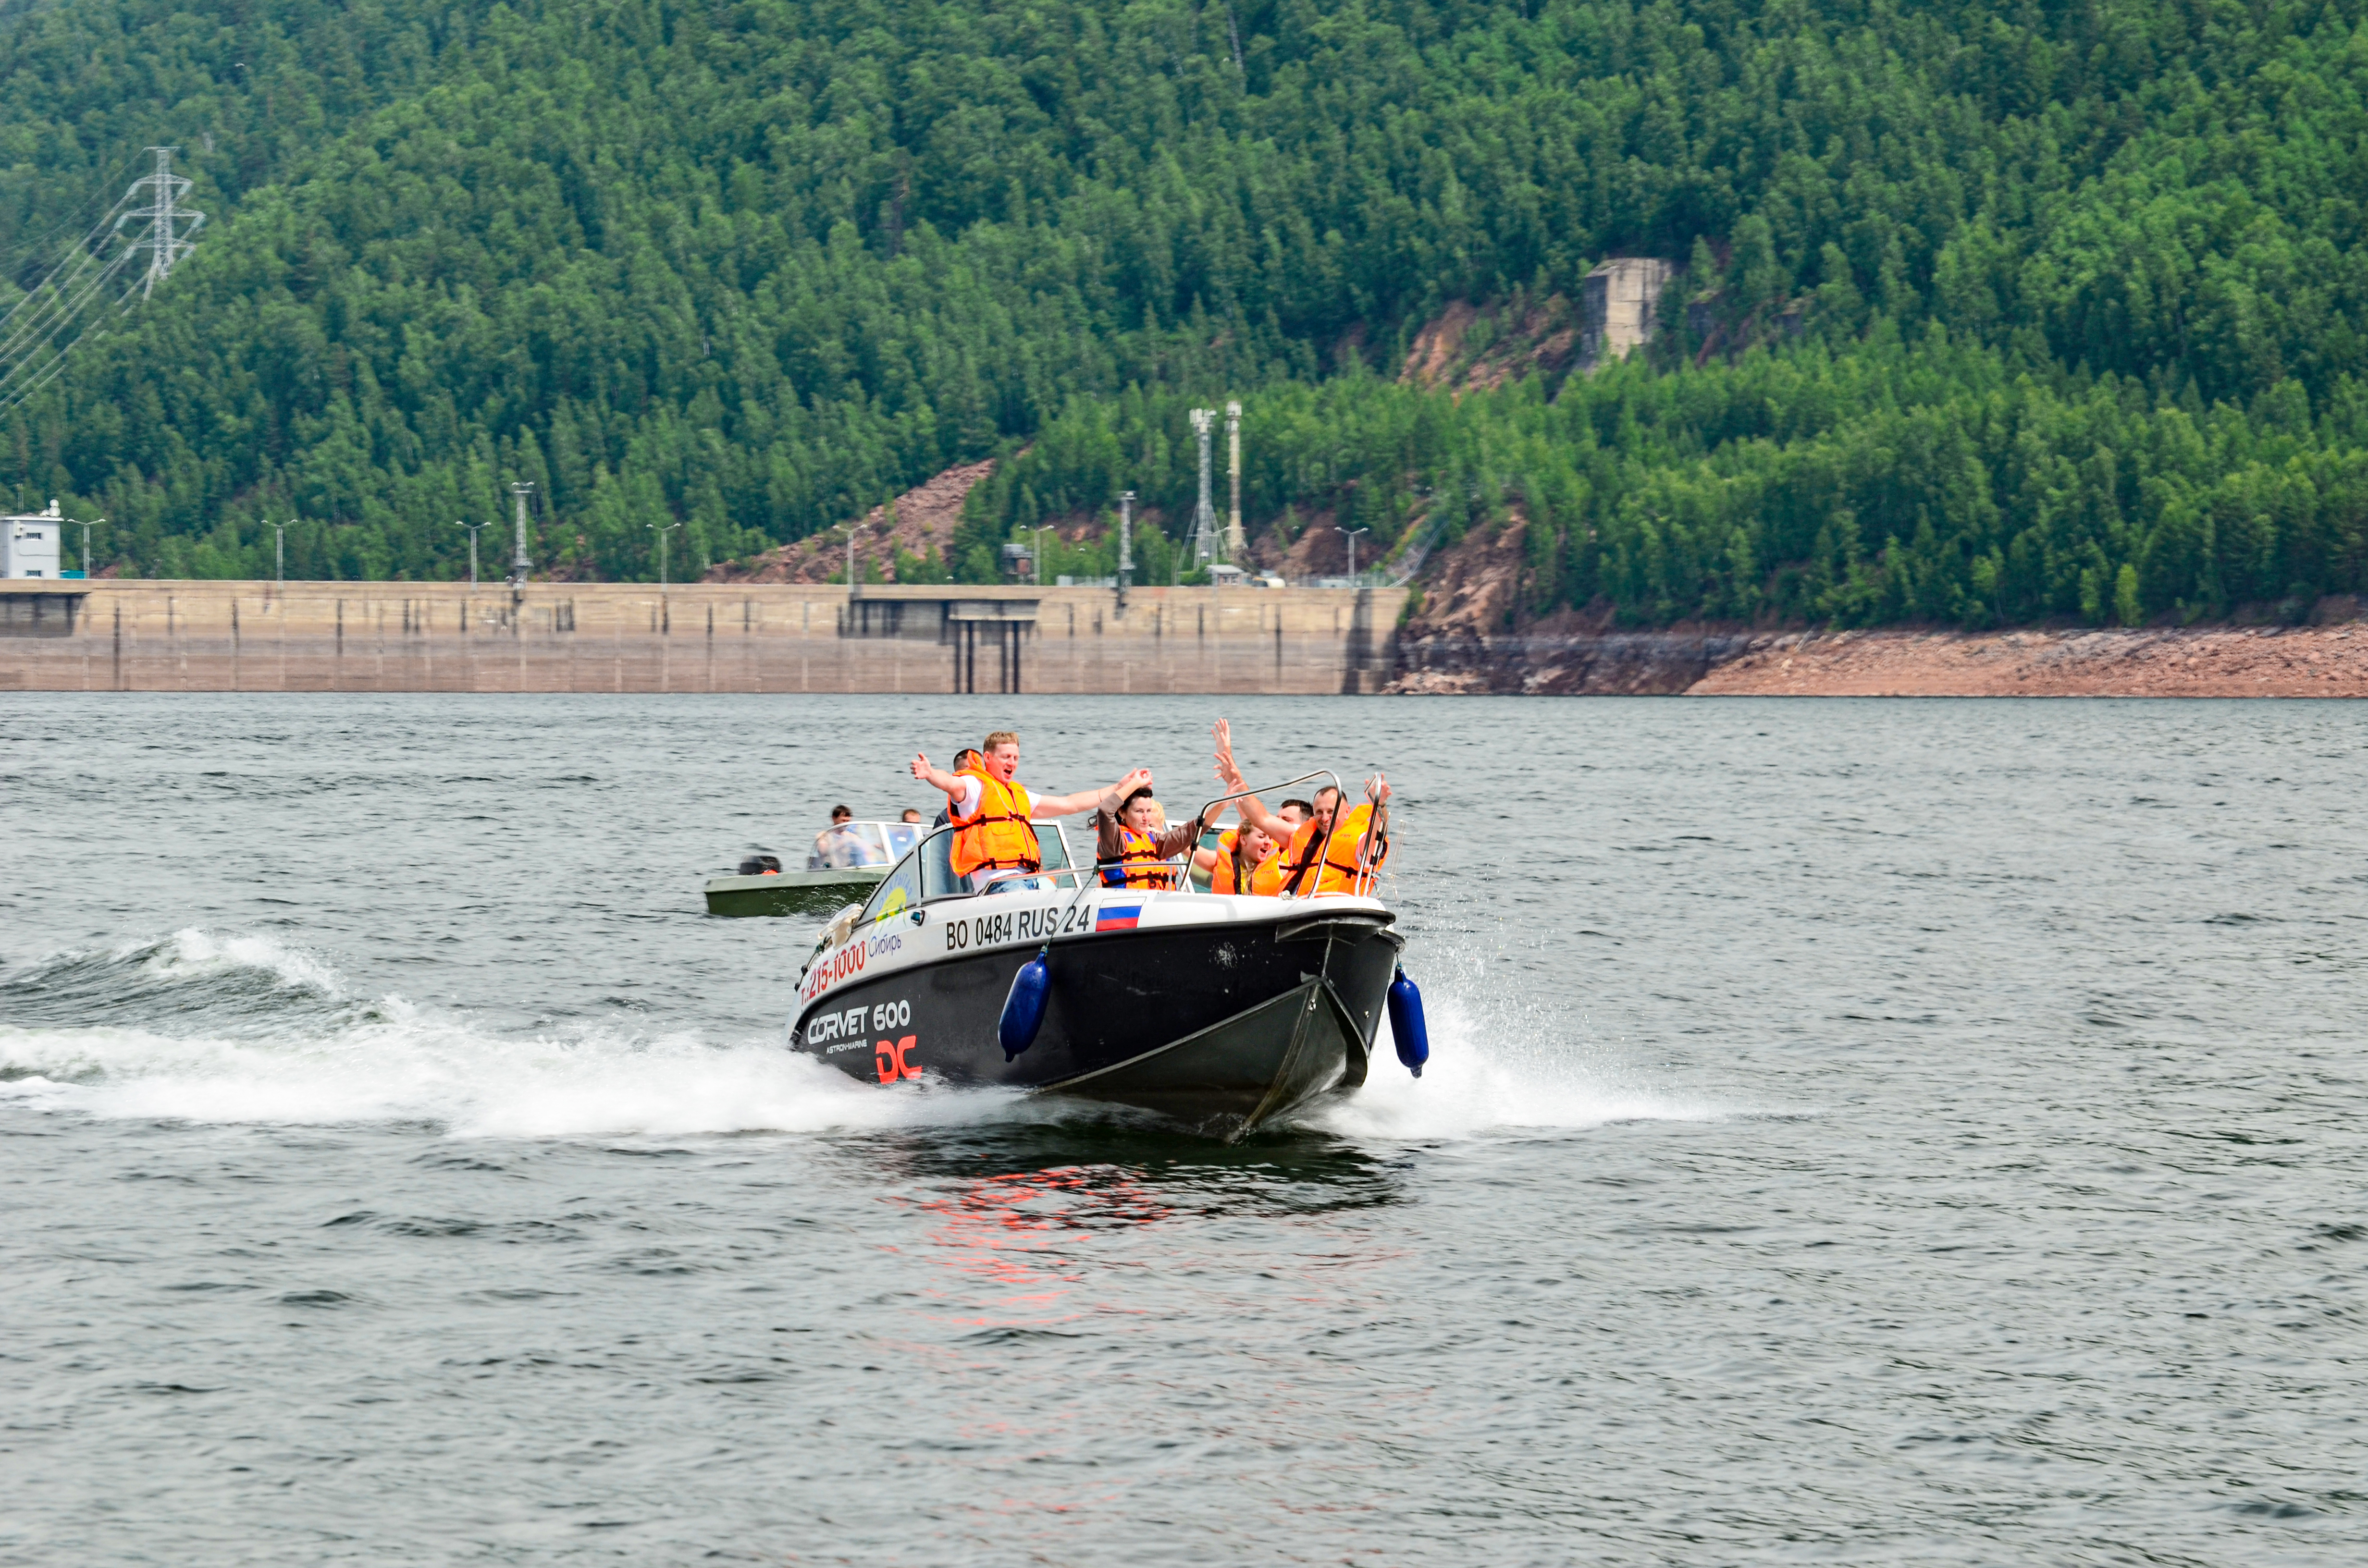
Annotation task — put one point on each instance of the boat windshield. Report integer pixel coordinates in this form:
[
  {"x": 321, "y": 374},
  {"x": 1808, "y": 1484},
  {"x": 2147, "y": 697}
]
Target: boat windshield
[
  {"x": 927, "y": 873},
  {"x": 854, "y": 846}
]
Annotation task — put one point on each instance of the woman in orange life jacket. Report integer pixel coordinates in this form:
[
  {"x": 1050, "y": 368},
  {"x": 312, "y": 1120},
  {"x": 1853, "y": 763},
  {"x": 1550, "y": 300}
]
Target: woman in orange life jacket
[
  {"x": 992, "y": 811},
  {"x": 1332, "y": 851},
  {"x": 1245, "y": 861},
  {"x": 1132, "y": 848}
]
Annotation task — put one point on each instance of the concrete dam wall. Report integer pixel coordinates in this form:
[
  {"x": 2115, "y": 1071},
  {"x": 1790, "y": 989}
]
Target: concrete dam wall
[{"x": 113, "y": 635}]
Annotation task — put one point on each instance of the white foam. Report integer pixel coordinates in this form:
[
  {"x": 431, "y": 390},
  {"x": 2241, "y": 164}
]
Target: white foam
[
  {"x": 1483, "y": 1078},
  {"x": 415, "y": 1067},
  {"x": 192, "y": 953},
  {"x": 1495, "y": 1069}
]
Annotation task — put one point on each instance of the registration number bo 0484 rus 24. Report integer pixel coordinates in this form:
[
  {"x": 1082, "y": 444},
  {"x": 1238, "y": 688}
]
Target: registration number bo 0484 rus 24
[{"x": 1016, "y": 925}]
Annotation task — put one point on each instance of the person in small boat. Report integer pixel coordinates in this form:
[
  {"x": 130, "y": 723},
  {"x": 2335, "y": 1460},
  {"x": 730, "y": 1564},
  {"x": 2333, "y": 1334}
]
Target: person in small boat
[
  {"x": 992, "y": 811},
  {"x": 1133, "y": 845},
  {"x": 911, "y": 814},
  {"x": 1332, "y": 850},
  {"x": 842, "y": 845}
]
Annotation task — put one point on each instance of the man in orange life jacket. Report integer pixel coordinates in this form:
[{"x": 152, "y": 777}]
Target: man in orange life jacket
[
  {"x": 1327, "y": 852},
  {"x": 991, "y": 811},
  {"x": 1132, "y": 848}
]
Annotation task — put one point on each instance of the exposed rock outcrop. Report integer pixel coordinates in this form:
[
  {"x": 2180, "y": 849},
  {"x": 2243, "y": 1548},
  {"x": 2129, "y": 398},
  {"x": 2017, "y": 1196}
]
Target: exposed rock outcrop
[
  {"x": 1465, "y": 349},
  {"x": 925, "y": 515},
  {"x": 2299, "y": 661},
  {"x": 1469, "y": 635}
]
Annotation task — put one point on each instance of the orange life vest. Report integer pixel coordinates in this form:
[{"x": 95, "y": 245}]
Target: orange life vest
[
  {"x": 1304, "y": 875},
  {"x": 997, "y": 836},
  {"x": 1266, "y": 876},
  {"x": 1138, "y": 864}
]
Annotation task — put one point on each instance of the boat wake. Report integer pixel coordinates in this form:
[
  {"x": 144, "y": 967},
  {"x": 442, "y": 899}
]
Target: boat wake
[{"x": 212, "y": 1029}]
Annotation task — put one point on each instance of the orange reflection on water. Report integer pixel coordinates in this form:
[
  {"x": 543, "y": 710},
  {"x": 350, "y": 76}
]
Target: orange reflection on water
[{"x": 1018, "y": 1232}]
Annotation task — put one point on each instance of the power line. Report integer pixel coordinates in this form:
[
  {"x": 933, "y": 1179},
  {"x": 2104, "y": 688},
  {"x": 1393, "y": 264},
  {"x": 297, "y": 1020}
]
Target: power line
[
  {"x": 38, "y": 332},
  {"x": 107, "y": 176}
]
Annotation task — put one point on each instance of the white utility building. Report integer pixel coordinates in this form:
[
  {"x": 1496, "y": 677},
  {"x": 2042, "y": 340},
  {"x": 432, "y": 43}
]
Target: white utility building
[{"x": 28, "y": 546}]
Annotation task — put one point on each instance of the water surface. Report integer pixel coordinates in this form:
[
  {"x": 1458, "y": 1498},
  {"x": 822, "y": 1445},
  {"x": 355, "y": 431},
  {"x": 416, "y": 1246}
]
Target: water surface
[{"x": 1858, "y": 1131}]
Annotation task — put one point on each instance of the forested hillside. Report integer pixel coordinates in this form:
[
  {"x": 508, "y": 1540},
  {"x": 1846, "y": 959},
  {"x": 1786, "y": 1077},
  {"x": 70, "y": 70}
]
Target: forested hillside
[{"x": 1996, "y": 314}]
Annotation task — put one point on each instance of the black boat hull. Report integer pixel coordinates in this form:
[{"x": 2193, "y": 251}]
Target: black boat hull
[{"x": 1220, "y": 1026}]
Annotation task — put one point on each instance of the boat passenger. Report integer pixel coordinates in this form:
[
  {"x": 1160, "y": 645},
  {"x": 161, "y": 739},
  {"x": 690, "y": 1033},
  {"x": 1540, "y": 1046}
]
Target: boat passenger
[
  {"x": 1246, "y": 859},
  {"x": 911, "y": 814},
  {"x": 1332, "y": 850},
  {"x": 1134, "y": 846},
  {"x": 992, "y": 811},
  {"x": 842, "y": 845}
]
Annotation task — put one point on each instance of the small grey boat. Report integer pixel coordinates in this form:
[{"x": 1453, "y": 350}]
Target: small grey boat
[{"x": 846, "y": 863}]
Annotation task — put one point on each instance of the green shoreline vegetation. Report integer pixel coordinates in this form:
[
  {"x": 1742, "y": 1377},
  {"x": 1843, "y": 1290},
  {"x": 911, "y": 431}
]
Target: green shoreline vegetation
[{"x": 1991, "y": 314}]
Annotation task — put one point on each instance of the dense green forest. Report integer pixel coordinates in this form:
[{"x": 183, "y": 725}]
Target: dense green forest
[{"x": 1991, "y": 313}]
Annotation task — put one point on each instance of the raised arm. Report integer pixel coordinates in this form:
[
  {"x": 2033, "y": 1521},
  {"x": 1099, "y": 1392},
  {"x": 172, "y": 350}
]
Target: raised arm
[
  {"x": 1253, "y": 810},
  {"x": 1112, "y": 799},
  {"x": 936, "y": 780}
]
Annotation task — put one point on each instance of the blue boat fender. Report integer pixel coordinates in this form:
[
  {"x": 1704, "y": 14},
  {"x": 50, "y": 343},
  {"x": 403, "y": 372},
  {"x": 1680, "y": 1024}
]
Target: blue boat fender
[
  {"x": 1406, "y": 1023},
  {"x": 1023, "y": 1006}
]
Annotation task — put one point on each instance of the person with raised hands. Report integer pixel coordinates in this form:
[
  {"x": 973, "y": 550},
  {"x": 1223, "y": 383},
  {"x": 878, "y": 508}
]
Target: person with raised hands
[
  {"x": 1332, "y": 852},
  {"x": 992, "y": 813},
  {"x": 1133, "y": 848}
]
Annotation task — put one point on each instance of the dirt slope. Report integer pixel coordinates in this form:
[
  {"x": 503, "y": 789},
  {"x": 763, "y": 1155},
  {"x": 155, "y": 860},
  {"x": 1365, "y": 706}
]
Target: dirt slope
[{"x": 925, "y": 515}]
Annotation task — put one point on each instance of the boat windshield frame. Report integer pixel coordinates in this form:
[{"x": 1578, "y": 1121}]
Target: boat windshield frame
[{"x": 936, "y": 881}]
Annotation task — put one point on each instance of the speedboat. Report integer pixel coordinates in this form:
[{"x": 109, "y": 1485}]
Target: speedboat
[
  {"x": 848, "y": 861},
  {"x": 1221, "y": 1012}
]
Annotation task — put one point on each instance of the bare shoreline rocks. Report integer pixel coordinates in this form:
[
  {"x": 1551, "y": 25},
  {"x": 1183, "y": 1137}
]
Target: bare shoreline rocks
[{"x": 2296, "y": 660}]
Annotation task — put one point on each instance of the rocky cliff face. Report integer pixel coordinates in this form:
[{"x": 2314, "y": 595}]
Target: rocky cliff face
[{"x": 1469, "y": 635}]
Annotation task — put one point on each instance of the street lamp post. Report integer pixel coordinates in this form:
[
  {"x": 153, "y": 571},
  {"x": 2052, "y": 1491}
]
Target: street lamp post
[
  {"x": 86, "y": 527},
  {"x": 1352, "y": 534},
  {"x": 279, "y": 552},
  {"x": 1040, "y": 534},
  {"x": 474, "y": 529},
  {"x": 662, "y": 529}
]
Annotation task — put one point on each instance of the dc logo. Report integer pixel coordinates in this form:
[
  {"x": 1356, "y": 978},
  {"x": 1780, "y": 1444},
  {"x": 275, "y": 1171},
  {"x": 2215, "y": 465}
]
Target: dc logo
[{"x": 888, "y": 1058}]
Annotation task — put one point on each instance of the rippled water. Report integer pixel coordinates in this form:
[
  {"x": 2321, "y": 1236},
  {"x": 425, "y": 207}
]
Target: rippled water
[{"x": 1857, "y": 1131}]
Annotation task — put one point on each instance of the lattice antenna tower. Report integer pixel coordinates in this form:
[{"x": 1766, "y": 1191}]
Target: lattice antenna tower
[
  {"x": 1235, "y": 545},
  {"x": 166, "y": 242},
  {"x": 1206, "y": 546}
]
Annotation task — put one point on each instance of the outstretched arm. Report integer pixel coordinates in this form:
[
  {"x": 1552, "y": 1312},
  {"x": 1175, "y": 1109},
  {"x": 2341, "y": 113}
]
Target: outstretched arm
[
  {"x": 1049, "y": 806},
  {"x": 936, "y": 779}
]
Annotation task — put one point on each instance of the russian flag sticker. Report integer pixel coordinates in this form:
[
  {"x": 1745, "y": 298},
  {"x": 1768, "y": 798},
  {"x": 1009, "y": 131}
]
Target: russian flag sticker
[{"x": 1117, "y": 916}]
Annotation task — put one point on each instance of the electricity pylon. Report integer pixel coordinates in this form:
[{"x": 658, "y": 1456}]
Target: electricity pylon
[{"x": 166, "y": 242}]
